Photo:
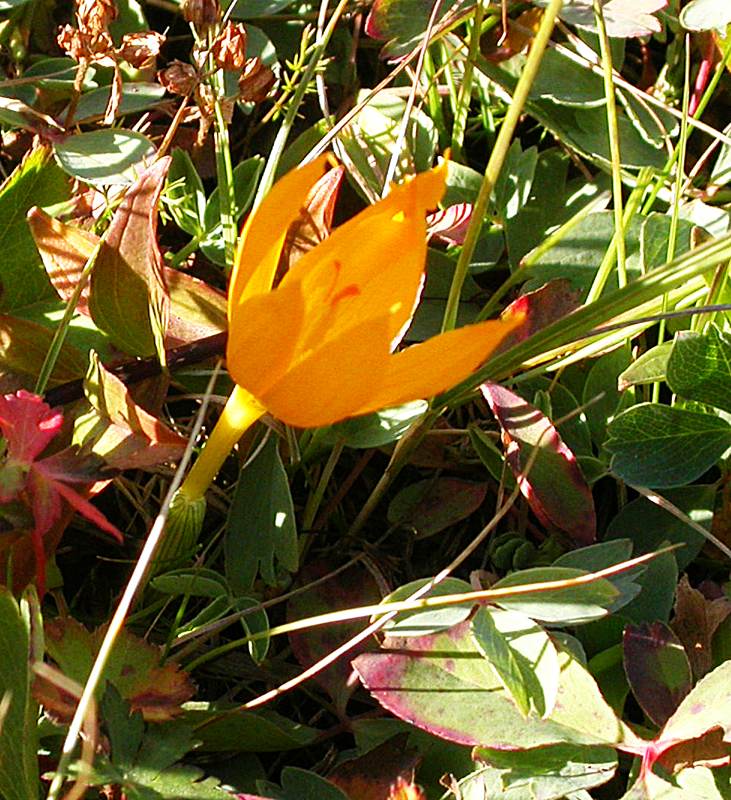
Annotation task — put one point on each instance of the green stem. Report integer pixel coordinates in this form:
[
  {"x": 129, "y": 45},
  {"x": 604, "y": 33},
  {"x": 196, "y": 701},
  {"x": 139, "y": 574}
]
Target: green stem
[
  {"x": 462, "y": 106},
  {"x": 315, "y": 499},
  {"x": 225, "y": 176},
  {"x": 497, "y": 159}
]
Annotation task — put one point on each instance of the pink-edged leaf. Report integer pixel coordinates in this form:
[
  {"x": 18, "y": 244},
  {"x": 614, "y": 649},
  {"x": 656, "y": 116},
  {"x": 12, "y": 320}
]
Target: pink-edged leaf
[
  {"x": 623, "y": 18},
  {"x": 554, "y": 487},
  {"x": 657, "y": 669},
  {"x": 120, "y": 431},
  {"x": 28, "y": 425},
  {"x": 443, "y": 684},
  {"x": 128, "y": 298},
  {"x": 550, "y": 303},
  {"x": 353, "y": 587},
  {"x": 450, "y": 224},
  {"x": 432, "y": 505}
]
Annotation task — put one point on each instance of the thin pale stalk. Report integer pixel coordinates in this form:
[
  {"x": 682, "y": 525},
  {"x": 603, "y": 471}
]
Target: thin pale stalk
[
  {"x": 497, "y": 159},
  {"x": 315, "y": 499},
  {"x": 96, "y": 674}
]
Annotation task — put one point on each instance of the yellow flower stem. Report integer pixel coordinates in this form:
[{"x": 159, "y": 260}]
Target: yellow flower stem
[{"x": 241, "y": 411}]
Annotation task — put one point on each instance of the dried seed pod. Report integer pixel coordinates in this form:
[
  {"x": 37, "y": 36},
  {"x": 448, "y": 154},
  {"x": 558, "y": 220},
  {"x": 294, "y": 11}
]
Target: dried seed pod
[
  {"x": 141, "y": 49},
  {"x": 202, "y": 13},
  {"x": 229, "y": 49},
  {"x": 94, "y": 16},
  {"x": 179, "y": 78},
  {"x": 255, "y": 82}
]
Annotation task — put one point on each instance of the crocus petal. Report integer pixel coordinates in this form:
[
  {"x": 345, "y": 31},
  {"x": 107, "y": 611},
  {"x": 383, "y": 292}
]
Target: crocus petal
[
  {"x": 370, "y": 265},
  {"x": 335, "y": 380},
  {"x": 264, "y": 233},
  {"x": 426, "y": 369},
  {"x": 262, "y": 338}
]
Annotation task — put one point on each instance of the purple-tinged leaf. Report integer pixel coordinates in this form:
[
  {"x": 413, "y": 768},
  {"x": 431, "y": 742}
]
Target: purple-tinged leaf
[
  {"x": 443, "y": 684},
  {"x": 353, "y": 587},
  {"x": 433, "y": 505},
  {"x": 554, "y": 486},
  {"x": 657, "y": 669}
]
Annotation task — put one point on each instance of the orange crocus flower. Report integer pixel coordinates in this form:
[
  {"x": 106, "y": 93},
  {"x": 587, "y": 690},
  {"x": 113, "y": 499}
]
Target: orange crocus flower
[{"x": 319, "y": 347}]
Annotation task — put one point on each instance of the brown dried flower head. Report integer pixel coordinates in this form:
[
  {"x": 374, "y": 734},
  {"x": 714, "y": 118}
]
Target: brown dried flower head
[
  {"x": 229, "y": 49},
  {"x": 82, "y": 46},
  {"x": 255, "y": 82},
  {"x": 94, "y": 16},
  {"x": 141, "y": 49},
  {"x": 179, "y": 78},
  {"x": 202, "y": 13}
]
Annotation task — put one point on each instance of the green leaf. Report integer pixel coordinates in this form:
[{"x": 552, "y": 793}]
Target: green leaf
[
  {"x": 601, "y": 395},
  {"x": 301, "y": 784},
  {"x": 570, "y": 606},
  {"x": 522, "y": 655},
  {"x": 374, "y": 430},
  {"x": 432, "y": 620},
  {"x": 185, "y": 197},
  {"x": 198, "y": 582},
  {"x": 706, "y": 15},
  {"x": 659, "y": 446},
  {"x": 699, "y": 367},
  {"x": 36, "y": 182},
  {"x": 656, "y": 230},
  {"x": 135, "y": 97},
  {"x": 261, "y": 731},
  {"x": 246, "y": 177},
  {"x": 261, "y": 525},
  {"x": 18, "y": 710},
  {"x": 550, "y": 772},
  {"x": 104, "y": 157},
  {"x": 651, "y": 366}
]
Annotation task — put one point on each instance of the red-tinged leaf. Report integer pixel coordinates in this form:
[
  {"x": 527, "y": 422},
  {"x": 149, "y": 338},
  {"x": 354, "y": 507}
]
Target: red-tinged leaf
[
  {"x": 449, "y": 225},
  {"x": 657, "y": 669},
  {"x": 24, "y": 346},
  {"x": 554, "y": 487},
  {"x": 120, "y": 431},
  {"x": 197, "y": 310},
  {"x": 128, "y": 298},
  {"x": 64, "y": 251},
  {"x": 353, "y": 587},
  {"x": 28, "y": 425},
  {"x": 432, "y": 505},
  {"x": 314, "y": 223},
  {"x": 443, "y": 684},
  {"x": 375, "y": 775},
  {"x": 133, "y": 668},
  {"x": 696, "y": 620},
  {"x": 540, "y": 308}
]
